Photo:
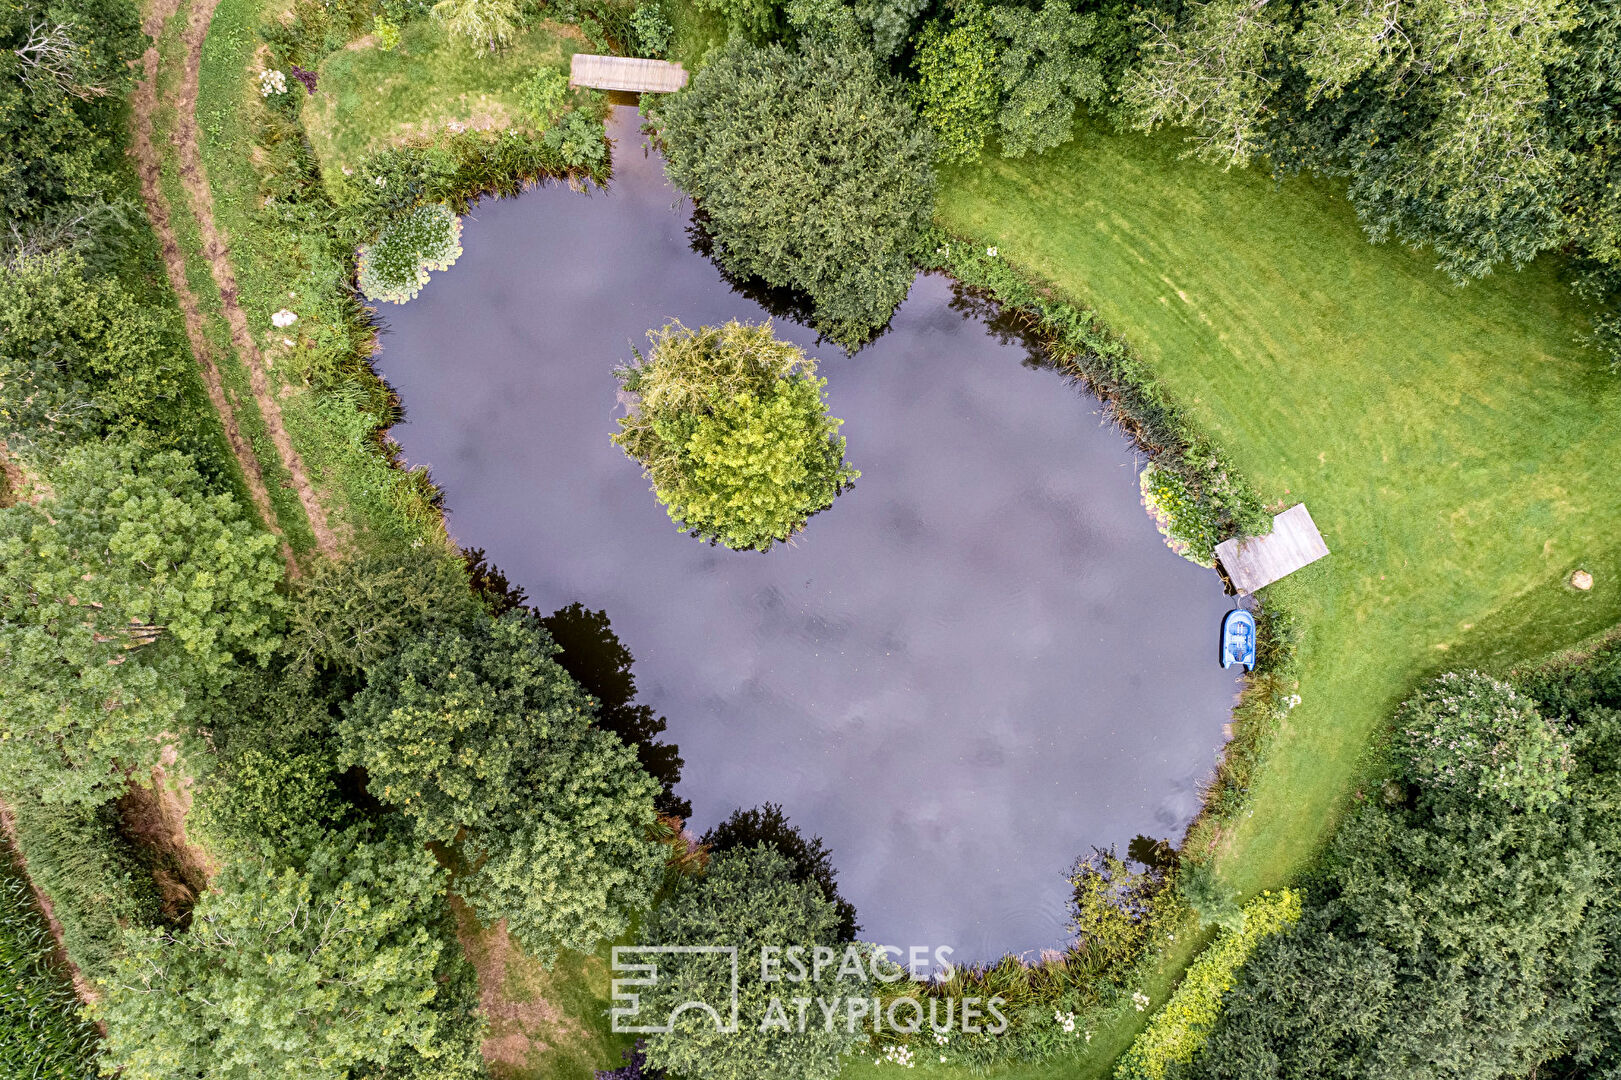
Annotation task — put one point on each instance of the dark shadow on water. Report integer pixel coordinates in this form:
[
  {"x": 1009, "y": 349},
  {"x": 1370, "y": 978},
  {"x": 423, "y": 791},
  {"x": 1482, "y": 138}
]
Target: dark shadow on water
[
  {"x": 593, "y": 654},
  {"x": 599, "y": 662}
]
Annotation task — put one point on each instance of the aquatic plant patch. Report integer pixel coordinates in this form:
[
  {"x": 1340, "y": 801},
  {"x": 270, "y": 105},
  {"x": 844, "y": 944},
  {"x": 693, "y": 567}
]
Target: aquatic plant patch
[{"x": 395, "y": 266}]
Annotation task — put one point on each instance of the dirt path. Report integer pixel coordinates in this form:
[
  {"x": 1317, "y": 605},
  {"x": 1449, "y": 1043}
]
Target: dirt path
[
  {"x": 149, "y": 168},
  {"x": 201, "y": 199},
  {"x": 149, "y": 164}
]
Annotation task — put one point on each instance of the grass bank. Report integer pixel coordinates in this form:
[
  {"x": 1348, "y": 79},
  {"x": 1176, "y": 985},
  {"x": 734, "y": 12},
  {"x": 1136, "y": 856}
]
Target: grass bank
[
  {"x": 370, "y": 97},
  {"x": 1452, "y": 443}
]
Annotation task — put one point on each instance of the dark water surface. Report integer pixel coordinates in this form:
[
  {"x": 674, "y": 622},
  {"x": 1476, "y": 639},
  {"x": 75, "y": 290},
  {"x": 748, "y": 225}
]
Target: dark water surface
[{"x": 978, "y": 664}]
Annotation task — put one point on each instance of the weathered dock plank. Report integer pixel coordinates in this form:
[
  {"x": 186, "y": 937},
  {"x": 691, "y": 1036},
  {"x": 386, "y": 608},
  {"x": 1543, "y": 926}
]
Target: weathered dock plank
[
  {"x": 632, "y": 73},
  {"x": 1255, "y": 563}
]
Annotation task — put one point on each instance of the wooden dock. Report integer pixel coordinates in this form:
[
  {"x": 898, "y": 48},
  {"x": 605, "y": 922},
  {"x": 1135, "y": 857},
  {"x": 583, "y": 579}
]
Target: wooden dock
[
  {"x": 1255, "y": 563},
  {"x": 630, "y": 73}
]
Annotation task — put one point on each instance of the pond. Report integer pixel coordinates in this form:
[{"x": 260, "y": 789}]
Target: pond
[{"x": 980, "y": 663}]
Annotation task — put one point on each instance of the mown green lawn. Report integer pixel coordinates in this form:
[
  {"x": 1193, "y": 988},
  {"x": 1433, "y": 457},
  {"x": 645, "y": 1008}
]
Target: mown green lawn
[
  {"x": 1458, "y": 447},
  {"x": 371, "y": 97}
]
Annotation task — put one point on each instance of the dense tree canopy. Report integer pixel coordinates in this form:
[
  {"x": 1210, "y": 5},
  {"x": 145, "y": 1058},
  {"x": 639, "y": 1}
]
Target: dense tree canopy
[
  {"x": 811, "y": 171},
  {"x": 1485, "y": 131},
  {"x": 479, "y": 730},
  {"x": 811, "y": 859},
  {"x": 730, "y": 425},
  {"x": 750, "y": 897},
  {"x": 79, "y": 357},
  {"x": 126, "y": 599},
  {"x": 1453, "y": 936},
  {"x": 335, "y": 968}
]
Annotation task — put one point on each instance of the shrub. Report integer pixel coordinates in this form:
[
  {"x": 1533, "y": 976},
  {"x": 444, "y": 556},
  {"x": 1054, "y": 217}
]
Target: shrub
[
  {"x": 1467, "y": 733},
  {"x": 1182, "y": 1025},
  {"x": 578, "y": 139},
  {"x": 489, "y": 24},
  {"x": 652, "y": 30},
  {"x": 731, "y": 428},
  {"x": 1215, "y": 902},
  {"x": 395, "y": 266},
  {"x": 544, "y": 95},
  {"x": 813, "y": 174},
  {"x": 387, "y": 32},
  {"x": 42, "y": 1034}
]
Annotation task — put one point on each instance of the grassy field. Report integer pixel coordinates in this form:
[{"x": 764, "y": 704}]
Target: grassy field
[{"x": 370, "y": 97}]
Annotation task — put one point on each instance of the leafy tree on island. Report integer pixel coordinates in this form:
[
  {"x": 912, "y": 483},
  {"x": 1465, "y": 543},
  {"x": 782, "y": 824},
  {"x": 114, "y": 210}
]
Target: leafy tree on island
[
  {"x": 813, "y": 172},
  {"x": 730, "y": 425}
]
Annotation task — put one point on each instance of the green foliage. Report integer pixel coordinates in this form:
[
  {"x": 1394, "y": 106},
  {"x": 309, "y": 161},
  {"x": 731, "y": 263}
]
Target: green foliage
[
  {"x": 544, "y": 96},
  {"x": 747, "y": 18},
  {"x": 42, "y": 1035},
  {"x": 483, "y": 741},
  {"x": 957, "y": 91},
  {"x": 1456, "y": 936},
  {"x": 387, "y": 32},
  {"x": 1475, "y": 737},
  {"x": 812, "y": 861},
  {"x": 61, "y": 119},
  {"x": 334, "y": 968},
  {"x": 652, "y": 30},
  {"x": 395, "y": 266},
  {"x": 812, "y": 174},
  {"x": 1485, "y": 133},
  {"x": 79, "y": 859},
  {"x": 1047, "y": 69},
  {"x": 731, "y": 427},
  {"x": 80, "y": 358},
  {"x": 749, "y": 897},
  {"x": 578, "y": 139},
  {"x": 1182, "y": 1025},
  {"x": 1213, "y": 900},
  {"x": 488, "y": 24},
  {"x": 351, "y": 615},
  {"x": 126, "y": 599}
]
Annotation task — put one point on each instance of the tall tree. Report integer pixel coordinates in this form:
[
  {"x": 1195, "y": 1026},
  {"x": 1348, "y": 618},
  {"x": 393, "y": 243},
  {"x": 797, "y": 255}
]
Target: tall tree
[
  {"x": 811, "y": 171},
  {"x": 485, "y": 743},
  {"x": 126, "y": 599},
  {"x": 338, "y": 967}
]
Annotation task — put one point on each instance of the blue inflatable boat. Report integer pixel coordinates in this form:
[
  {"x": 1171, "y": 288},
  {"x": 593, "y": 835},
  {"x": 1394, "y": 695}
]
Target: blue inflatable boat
[{"x": 1238, "y": 639}]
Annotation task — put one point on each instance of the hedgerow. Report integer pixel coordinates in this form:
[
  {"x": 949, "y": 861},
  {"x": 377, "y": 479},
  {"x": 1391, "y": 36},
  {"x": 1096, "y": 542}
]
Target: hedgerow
[{"x": 1180, "y": 1028}]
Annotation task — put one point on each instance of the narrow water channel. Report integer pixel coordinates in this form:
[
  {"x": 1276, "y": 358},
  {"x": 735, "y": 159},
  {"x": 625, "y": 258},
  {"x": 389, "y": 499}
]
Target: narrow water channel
[{"x": 980, "y": 663}]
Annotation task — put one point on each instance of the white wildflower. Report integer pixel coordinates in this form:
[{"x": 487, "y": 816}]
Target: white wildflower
[
  {"x": 991, "y": 252},
  {"x": 283, "y": 319},
  {"x": 1139, "y": 999},
  {"x": 272, "y": 82}
]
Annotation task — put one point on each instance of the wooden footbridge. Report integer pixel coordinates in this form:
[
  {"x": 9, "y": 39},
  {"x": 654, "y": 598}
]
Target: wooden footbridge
[
  {"x": 1259, "y": 561},
  {"x": 630, "y": 73}
]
